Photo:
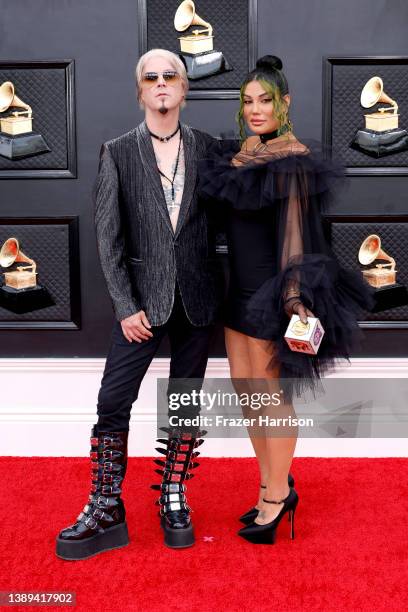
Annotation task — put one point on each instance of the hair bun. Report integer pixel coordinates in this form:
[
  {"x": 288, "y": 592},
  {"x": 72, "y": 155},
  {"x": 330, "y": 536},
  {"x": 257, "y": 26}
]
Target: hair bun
[{"x": 269, "y": 62}]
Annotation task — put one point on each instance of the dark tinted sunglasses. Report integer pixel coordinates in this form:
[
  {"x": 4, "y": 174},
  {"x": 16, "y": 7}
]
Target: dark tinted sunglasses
[{"x": 170, "y": 76}]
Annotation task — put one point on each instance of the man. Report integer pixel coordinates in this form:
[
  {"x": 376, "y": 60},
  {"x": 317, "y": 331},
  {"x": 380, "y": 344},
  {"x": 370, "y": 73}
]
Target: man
[{"x": 153, "y": 247}]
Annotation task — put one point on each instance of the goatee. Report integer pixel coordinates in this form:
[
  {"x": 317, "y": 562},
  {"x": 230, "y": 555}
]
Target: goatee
[{"x": 163, "y": 110}]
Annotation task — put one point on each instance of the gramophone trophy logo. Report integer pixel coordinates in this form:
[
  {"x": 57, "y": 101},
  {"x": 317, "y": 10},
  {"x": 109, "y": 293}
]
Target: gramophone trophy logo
[
  {"x": 380, "y": 272},
  {"x": 20, "y": 292},
  {"x": 381, "y": 135},
  {"x": 17, "y": 139},
  {"x": 197, "y": 47}
]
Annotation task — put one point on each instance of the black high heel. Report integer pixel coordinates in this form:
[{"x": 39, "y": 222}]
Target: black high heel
[
  {"x": 265, "y": 534},
  {"x": 251, "y": 515}
]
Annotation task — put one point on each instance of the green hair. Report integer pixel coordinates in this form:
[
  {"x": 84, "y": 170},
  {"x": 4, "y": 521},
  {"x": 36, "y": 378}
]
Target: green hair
[{"x": 279, "y": 105}]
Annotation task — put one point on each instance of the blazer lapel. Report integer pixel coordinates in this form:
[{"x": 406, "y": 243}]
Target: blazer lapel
[
  {"x": 190, "y": 176},
  {"x": 149, "y": 163}
]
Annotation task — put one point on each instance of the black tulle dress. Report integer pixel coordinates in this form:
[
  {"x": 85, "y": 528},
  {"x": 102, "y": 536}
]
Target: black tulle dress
[{"x": 273, "y": 197}]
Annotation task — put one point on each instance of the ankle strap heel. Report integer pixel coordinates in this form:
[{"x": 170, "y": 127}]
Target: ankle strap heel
[
  {"x": 282, "y": 501},
  {"x": 265, "y": 534}
]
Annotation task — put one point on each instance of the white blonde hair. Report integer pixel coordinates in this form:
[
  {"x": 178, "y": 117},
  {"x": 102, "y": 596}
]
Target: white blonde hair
[{"x": 172, "y": 58}]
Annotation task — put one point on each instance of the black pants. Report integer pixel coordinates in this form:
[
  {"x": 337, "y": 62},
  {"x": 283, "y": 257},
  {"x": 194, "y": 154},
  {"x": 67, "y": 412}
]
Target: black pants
[{"x": 127, "y": 363}]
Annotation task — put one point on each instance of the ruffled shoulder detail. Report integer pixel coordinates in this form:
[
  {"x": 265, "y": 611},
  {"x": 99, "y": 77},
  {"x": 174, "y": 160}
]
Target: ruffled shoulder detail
[{"x": 265, "y": 177}]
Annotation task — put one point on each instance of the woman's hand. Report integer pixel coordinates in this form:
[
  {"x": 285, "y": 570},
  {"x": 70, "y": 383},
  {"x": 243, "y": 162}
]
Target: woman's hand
[{"x": 295, "y": 306}]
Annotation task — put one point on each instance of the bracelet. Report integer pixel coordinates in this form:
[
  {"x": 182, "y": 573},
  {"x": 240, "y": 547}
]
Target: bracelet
[{"x": 291, "y": 298}]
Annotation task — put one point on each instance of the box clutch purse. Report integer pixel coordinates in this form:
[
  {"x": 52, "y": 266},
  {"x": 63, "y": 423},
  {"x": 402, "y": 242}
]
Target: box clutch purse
[{"x": 304, "y": 337}]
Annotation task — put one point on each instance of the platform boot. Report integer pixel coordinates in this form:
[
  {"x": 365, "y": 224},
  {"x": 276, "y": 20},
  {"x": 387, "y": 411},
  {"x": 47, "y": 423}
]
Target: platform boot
[
  {"x": 179, "y": 459},
  {"x": 102, "y": 523}
]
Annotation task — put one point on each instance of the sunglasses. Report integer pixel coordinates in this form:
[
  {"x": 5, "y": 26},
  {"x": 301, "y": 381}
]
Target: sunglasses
[{"x": 170, "y": 76}]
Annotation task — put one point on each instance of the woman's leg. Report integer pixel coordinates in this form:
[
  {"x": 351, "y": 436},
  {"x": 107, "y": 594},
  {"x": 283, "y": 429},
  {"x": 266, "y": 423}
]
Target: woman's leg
[
  {"x": 280, "y": 442},
  {"x": 237, "y": 345}
]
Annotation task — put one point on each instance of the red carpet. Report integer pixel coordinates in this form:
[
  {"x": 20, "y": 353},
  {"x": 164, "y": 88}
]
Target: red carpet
[{"x": 350, "y": 551}]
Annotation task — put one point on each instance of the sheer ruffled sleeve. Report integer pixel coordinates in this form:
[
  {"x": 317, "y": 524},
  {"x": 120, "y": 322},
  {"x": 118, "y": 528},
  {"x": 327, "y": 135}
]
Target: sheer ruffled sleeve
[{"x": 292, "y": 246}]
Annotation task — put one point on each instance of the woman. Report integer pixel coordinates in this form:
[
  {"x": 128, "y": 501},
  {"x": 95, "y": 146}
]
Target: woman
[{"x": 274, "y": 189}]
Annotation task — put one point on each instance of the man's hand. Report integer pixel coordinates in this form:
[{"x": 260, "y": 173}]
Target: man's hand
[{"x": 136, "y": 327}]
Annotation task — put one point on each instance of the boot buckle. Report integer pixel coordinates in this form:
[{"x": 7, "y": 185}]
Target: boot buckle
[
  {"x": 176, "y": 456},
  {"x": 90, "y": 522},
  {"x": 172, "y": 497},
  {"x": 102, "y": 501},
  {"x": 98, "y": 513},
  {"x": 167, "y": 487}
]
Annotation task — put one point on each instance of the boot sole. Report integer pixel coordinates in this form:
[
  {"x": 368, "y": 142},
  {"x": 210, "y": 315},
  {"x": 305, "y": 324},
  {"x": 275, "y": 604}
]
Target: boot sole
[
  {"x": 178, "y": 538},
  {"x": 111, "y": 538}
]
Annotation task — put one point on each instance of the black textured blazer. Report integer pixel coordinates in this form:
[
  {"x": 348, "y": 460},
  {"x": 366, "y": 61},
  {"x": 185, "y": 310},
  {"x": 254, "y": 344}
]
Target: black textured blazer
[{"x": 140, "y": 255}]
